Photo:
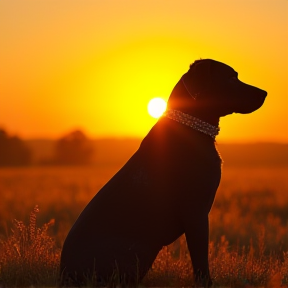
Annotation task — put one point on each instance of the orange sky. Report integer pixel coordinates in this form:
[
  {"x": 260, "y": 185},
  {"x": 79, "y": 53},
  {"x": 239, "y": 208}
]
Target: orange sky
[{"x": 94, "y": 65}]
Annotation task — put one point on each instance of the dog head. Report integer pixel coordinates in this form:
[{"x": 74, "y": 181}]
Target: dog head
[{"x": 214, "y": 87}]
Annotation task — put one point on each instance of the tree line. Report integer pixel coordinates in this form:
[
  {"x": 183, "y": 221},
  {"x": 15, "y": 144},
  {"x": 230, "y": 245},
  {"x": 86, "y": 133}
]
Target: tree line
[{"x": 73, "y": 148}]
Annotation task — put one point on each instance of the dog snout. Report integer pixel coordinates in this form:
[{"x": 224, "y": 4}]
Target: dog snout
[
  {"x": 252, "y": 98},
  {"x": 263, "y": 93}
]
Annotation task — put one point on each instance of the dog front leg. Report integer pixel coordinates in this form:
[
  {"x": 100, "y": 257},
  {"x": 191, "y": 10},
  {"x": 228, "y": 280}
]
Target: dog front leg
[{"x": 197, "y": 237}]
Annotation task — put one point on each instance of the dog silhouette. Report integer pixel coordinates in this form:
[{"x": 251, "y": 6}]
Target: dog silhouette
[{"x": 166, "y": 188}]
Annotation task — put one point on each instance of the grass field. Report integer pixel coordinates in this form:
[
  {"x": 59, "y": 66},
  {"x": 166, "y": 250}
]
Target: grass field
[{"x": 248, "y": 224}]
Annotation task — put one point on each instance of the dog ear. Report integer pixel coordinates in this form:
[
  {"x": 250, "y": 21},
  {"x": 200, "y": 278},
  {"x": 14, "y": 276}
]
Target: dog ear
[{"x": 198, "y": 78}]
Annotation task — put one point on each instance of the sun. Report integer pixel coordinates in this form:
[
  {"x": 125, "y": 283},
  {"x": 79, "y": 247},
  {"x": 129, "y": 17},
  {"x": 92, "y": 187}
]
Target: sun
[{"x": 156, "y": 107}]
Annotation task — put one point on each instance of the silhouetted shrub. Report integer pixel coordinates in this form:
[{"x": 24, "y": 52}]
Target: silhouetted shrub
[
  {"x": 13, "y": 151},
  {"x": 73, "y": 149}
]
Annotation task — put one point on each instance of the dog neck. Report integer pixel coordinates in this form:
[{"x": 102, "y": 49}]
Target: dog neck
[
  {"x": 181, "y": 100},
  {"x": 205, "y": 117},
  {"x": 192, "y": 122}
]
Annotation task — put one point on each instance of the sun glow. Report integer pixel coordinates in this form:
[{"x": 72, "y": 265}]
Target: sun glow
[{"x": 156, "y": 107}]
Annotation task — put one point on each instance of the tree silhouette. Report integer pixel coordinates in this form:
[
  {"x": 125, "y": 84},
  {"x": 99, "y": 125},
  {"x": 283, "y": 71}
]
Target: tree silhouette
[
  {"x": 13, "y": 151},
  {"x": 73, "y": 149}
]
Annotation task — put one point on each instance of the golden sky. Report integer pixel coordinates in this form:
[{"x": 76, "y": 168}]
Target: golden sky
[{"x": 94, "y": 65}]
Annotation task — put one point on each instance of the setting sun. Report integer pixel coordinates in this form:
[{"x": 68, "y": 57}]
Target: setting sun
[
  {"x": 103, "y": 61},
  {"x": 156, "y": 107}
]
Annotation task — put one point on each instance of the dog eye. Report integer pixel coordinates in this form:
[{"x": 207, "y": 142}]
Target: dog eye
[{"x": 233, "y": 79}]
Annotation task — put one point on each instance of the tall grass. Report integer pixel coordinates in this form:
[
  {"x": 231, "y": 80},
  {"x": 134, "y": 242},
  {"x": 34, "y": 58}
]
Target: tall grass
[
  {"x": 29, "y": 256},
  {"x": 248, "y": 223}
]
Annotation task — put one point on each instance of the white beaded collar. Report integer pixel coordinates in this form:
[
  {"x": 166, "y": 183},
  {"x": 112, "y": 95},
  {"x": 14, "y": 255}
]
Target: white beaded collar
[{"x": 192, "y": 122}]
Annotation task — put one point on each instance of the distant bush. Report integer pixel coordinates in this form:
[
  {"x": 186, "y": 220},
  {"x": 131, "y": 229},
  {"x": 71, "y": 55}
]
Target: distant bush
[
  {"x": 73, "y": 149},
  {"x": 13, "y": 151}
]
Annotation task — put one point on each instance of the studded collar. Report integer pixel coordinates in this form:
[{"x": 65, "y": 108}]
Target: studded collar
[{"x": 192, "y": 122}]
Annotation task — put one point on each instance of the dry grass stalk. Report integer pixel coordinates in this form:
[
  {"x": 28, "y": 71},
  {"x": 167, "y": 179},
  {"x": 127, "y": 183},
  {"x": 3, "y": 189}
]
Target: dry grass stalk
[{"x": 29, "y": 256}]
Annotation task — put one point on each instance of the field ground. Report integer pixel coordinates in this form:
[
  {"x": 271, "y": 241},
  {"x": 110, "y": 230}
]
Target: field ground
[{"x": 248, "y": 221}]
